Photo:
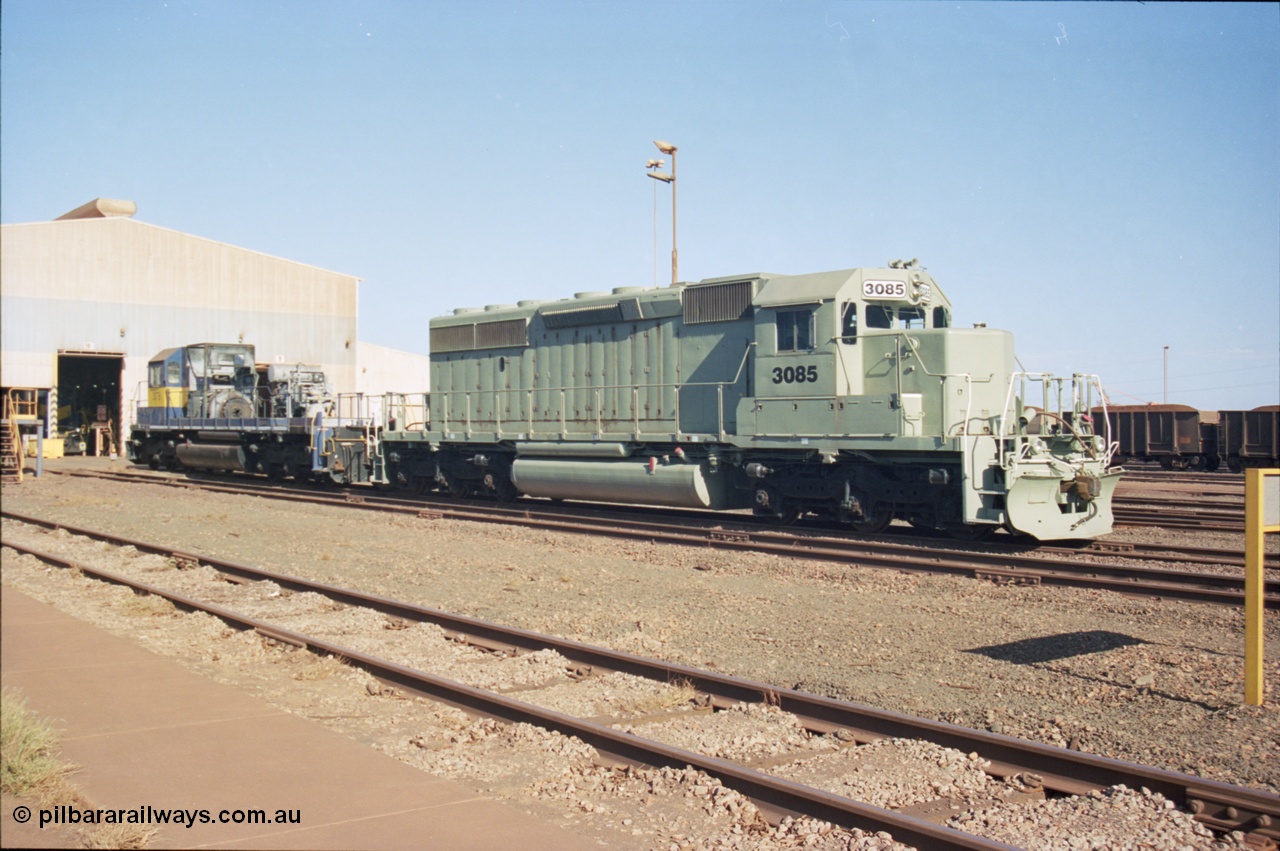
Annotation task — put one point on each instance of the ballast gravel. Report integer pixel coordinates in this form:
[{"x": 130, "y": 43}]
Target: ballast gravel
[
  {"x": 1091, "y": 821},
  {"x": 895, "y": 773},
  {"x": 1149, "y": 681}
]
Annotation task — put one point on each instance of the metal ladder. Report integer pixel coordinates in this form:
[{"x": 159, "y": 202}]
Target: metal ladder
[
  {"x": 19, "y": 406},
  {"x": 10, "y": 453}
]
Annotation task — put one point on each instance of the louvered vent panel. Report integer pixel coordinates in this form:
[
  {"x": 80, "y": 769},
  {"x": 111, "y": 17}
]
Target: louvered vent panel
[
  {"x": 602, "y": 314},
  {"x": 717, "y": 302},
  {"x": 497, "y": 335},
  {"x": 453, "y": 338}
]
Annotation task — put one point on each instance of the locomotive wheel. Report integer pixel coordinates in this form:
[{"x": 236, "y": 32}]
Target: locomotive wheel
[
  {"x": 500, "y": 486},
  {"x": 772, "y": 507},
  {"x": 457, "y": 488},
  {"x": 276, "y": 473},
  {"x": 877, "y": 521},
  {"x": 787, "y": 515},
  {"x": 154, "y": 462},
  {"x": 506, "y": 491}
]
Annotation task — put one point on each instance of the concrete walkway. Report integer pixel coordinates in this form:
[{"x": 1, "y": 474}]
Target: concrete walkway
[{"x": 148, "y": 732}]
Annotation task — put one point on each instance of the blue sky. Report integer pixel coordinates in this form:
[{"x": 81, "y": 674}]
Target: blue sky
[{"x": 1101, "y": 179}]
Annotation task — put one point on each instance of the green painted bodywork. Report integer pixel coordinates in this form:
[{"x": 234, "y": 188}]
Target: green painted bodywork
[{"x": 730, "y": 363}]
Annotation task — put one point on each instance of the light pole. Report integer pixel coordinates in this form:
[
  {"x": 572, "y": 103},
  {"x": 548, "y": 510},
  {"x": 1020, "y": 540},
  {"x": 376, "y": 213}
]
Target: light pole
[
  {"x": 670, "y": 150},
  {"x": 1166, "y": 375},
  {"x": 651, "y": 165}
]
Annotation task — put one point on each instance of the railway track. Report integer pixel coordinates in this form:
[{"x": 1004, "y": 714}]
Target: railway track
[
  {"x": 1035, "y": 766},
  {"x": 1130, "y": 510},
  {"x": 1222, "y": 477},
  {"x": 1173, "y": 514},
  {"x": 1047, "y": 566},
  {"x": 1156, "y": 473}
]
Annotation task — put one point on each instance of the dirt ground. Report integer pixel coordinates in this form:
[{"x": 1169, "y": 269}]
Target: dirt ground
[{"x": 1155, "y": 682}]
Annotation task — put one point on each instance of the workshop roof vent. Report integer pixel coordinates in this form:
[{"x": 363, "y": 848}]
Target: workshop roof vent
[{"x": 101, "y": 208}]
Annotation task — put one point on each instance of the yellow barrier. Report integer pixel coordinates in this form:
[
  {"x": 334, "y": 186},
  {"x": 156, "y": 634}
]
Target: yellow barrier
[
  {"x": 1261, "y": 515},
  {"x": 53, "y": 447}
]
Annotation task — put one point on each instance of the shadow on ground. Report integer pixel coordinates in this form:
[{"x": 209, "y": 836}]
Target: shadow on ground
[{"x": 1048, "y": 648}]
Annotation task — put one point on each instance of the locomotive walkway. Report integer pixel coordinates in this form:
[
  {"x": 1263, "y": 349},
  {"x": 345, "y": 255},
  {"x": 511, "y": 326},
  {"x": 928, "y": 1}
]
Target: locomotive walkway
[{"x": 147, "y": 732}]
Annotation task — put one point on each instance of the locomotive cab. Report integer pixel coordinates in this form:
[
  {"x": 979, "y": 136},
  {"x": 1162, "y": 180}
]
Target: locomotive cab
[
  {"x": 202, "y": 380},
  {"x": 863, "y": 370},
  {"x": 826, "y": 347},
  {"x": 167, "y": 378}
]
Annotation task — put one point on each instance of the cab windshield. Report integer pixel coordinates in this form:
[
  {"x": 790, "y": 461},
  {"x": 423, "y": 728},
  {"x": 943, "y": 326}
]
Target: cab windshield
[{"x": 889, "y": 316}]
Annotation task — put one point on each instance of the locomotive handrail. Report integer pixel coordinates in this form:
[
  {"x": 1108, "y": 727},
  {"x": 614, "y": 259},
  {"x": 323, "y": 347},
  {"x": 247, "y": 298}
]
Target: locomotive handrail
[
  {"x": 528, "y": 393},
  {"x": 398, "y": 414},
  {"x": 1079, "y": 406},
  {"x": 1113, "y": 446}
]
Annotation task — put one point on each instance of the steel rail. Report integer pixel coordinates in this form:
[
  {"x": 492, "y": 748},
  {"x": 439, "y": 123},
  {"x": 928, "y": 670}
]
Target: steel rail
[
  {"x": 1162, "y": 552},
  {"x": 999, "y": 567},
  {"x": 1179, "y": 503},
  {"x": 1170, "y": 519},
  {"x": 1129, "y": 549},
  {"x": 1218, "y": 805},
  {"x": 775, "y": 795}
]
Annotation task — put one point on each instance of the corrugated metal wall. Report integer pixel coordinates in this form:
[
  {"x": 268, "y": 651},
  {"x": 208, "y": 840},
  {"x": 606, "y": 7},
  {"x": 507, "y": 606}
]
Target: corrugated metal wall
[
  {"x": 384, "y": 370},
  {"x": 115, "y": 284}
]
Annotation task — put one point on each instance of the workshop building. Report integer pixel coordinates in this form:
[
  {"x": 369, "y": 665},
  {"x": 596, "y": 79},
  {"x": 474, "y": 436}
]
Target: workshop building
[{"x": 89, "y": 298}]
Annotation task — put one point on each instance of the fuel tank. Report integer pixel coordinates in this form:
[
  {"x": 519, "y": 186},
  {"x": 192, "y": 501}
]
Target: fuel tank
[
  {"x": 636, "y": 481},
  {"x": 203, "y": 456}
]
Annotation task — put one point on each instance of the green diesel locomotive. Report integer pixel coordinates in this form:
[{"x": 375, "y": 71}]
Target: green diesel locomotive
[{"x": 847, "y": 395}]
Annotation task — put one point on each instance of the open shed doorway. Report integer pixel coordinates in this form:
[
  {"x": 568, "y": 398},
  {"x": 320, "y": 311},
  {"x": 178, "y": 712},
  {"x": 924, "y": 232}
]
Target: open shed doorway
[{"x": 90, "y": 400}]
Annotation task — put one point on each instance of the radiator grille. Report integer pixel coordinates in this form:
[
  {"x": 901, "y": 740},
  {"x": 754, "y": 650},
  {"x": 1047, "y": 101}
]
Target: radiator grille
[
  {"x": 601, "y": 314},
  {"x": 717, "y": 302},
  {"x": 483, "y": 335},
  {"x": 454, "y": 338},
  {"x": 506, "y": 332}
]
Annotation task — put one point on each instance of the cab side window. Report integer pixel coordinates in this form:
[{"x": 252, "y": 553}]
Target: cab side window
[
  {"x": 849, "y": 323},
  {"x": 795, "y": 330},
  {"x": 941, "y": 318},
  {"x": 879, "y": 316}
]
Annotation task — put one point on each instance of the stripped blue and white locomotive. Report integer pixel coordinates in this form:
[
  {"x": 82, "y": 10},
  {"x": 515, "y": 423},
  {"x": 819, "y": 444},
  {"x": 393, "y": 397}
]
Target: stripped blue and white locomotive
[
  {"x": 211, "y": 407},
  {"x": 841, "y": 394}
]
